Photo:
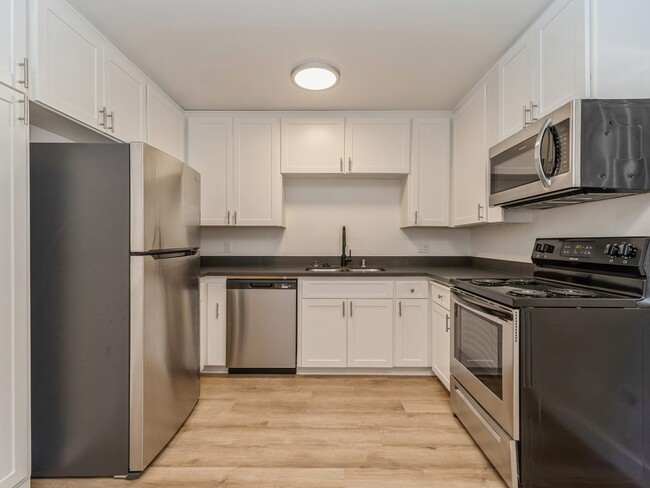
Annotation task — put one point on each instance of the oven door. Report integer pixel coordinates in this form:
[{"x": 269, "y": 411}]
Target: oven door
[{"x": 485, "y": 356}]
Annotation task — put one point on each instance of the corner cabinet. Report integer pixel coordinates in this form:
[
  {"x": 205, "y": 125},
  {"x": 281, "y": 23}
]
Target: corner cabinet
[
  {"x": 14, "y": 281},
  {"x": 239, "y": 160},
  {"x": 425, "y": 201},
  {"x": 339, "y": 145},
  {"x": 213, "y": 322}
]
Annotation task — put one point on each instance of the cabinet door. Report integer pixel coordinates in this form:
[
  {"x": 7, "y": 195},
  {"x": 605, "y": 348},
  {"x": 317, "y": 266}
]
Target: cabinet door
[
  {"x": 69, "y": 63},
  {"x": 324, "y": 327},
  {"x": 13, "y": 43},
  {"x": 469, "y": 191},
  {"x": 257, "y": 180},
  {"x": 380, "y": 145},
  {"x": 14, "y": 308},
  {"x": 516, "y": 87},
  {"x": 125, "y": 91},
  {"x": 560, "y": 68},
  {"x": 427, "y": 187},
  {"x": 165, "y": 123},
  {"x": 441, "y": 343},
  {"x": 209, "y": 151},
  {"x": 370, "y": 333},
  {"x": 412, "y": 333},
  {"x": 215, "y": 317},
  {"x": 313, "y": 145}
]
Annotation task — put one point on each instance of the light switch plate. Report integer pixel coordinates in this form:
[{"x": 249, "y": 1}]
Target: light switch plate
[
  {"x": 423, "y": 247},
  {"x": 227, "y": 246}
]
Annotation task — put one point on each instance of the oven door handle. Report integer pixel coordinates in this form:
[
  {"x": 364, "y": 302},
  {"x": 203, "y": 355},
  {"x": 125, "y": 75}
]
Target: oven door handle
[{"x": 486, "y": 308}]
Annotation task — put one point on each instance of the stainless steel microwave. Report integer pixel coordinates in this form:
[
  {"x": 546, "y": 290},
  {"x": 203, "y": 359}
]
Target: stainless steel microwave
[{"x": 584, "y": 151}]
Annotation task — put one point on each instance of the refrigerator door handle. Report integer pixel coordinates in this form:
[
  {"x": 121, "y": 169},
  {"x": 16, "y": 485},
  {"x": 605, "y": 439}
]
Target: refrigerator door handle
[{"x": 173, "y": 255}]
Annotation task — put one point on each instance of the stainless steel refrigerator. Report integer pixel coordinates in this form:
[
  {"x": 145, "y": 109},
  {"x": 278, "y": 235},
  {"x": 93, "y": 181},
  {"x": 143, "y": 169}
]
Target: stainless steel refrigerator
[{"x": 115, "y": 327}]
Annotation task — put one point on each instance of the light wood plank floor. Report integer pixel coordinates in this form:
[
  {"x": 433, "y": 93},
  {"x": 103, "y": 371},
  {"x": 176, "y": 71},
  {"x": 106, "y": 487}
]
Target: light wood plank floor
[{"x": 316, "y": 432}]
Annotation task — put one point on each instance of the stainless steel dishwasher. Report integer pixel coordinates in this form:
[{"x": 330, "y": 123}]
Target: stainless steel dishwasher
[{"x": 261, "y": 326}]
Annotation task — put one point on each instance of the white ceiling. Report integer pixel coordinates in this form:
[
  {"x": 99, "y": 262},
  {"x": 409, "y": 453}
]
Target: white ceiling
[{"x": 237, "y": 54}]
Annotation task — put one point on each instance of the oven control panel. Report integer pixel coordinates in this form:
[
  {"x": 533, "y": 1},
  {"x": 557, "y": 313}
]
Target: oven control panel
[{"x": 612, "y": 251}]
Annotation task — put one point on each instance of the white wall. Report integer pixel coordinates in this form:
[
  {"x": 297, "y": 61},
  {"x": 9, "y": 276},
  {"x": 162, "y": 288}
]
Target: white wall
[
  {"x": 627, "y": 216},
  {"x": 315, "y": 211}
]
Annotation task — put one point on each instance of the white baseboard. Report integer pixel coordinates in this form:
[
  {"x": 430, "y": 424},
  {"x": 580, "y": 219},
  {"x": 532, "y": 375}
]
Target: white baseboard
[
  {"x": 366, "y": 371},
  {"x": 207, "y": 370}
]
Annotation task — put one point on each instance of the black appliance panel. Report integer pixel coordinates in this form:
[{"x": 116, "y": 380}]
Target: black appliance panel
[{"x": 584, "y": 412}]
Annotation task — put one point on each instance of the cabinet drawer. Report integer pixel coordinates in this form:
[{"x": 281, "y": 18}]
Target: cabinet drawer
[
  {"x": 440, "y": 294},
  {"x": 347, "y": 289},
  {"x": 411, "y": 289}
]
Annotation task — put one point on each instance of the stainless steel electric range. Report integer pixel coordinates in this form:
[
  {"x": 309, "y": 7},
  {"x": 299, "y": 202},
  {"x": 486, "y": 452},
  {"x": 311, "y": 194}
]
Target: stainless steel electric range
[{"x": 551, "y": 373}]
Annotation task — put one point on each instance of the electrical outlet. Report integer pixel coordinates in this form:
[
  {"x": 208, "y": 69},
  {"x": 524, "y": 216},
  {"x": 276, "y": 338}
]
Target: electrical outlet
[
  {"x": 423, "y": 246},
  {"x": 227, "y": 246}
]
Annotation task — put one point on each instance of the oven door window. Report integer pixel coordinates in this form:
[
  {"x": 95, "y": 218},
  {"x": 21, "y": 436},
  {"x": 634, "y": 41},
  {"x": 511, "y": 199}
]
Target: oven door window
[
  {"x": 479, "y": 348},
  {"x": 514, "y": 167}
]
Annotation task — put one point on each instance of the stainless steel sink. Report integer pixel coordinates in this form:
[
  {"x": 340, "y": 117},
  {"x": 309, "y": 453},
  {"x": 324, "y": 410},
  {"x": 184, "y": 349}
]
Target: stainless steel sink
[
  {"x": 340, "y": 269},
  {"x": 326, "y": 269}
]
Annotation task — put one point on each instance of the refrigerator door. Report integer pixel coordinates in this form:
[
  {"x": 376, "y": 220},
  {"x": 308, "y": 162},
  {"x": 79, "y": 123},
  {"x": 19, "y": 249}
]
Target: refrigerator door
[
  {"x": 165, "y": 201},
  {"x": 164, "y": 349}
]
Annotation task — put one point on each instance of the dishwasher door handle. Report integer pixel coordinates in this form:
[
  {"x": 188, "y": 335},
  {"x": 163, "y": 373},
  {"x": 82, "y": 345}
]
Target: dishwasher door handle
[{"x": 261, "y": 285}]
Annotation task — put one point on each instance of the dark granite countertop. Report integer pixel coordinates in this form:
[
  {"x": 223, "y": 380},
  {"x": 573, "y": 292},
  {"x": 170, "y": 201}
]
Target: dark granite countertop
[{"x": 441, "y": 269}]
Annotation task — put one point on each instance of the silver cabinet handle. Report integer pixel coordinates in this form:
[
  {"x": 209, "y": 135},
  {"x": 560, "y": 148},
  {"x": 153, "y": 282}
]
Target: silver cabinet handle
[
  {"x": 526, "y": 112},
  {"x": 351, "y": 307},
  {"x": 217, "y": 309},
  {"x": 343, "y": 307},
  {"x": 416, "y": 217},
  {"x": 341, "y": 165},
  {"x": 25, "y": 102},
  {"x": 234, "y": 218},
  {"x": 399, "y": 306},
  {"x": 228, "y": 217},
  {"x": 25, "y": 66},
  {"x": 479, "y": 213},
  {"x": 350, "y": 164},
  {"x": 439, "y": 297},
  {"x": 533, "y": 106},
  {"x": 102, "y": 112},
  {"x": 112, "y": 117},
  {"x": 446, "y": 323}
]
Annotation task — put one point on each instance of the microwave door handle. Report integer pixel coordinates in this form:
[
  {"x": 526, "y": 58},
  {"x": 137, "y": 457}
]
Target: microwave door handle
[{"x": 538, "y": 153}]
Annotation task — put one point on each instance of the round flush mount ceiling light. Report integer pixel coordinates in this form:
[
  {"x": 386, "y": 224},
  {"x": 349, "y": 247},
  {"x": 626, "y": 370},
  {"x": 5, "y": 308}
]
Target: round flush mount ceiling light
[{"x": 315, "y": 75}]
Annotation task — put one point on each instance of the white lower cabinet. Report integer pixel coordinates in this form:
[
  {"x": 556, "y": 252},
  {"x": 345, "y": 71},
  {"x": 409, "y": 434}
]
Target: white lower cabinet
[
  {"x": 412, "y": 333},
  {"x": 324, "y": 333},
  {"x": 364, "y": 323},
  {"x": 213, "y": 322},
  {"x": 440, "y": 332},
  {"x": 370, "y": 333},
  {"x": 14, "y": 299}
]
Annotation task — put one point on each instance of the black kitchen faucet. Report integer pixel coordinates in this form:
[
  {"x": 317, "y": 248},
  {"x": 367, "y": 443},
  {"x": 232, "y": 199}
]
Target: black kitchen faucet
[{"x": 344, "y": 259}]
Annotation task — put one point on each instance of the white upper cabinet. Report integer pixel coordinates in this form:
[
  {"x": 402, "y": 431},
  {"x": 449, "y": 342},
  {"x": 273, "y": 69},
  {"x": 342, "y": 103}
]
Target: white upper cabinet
[
  {"x": 469, "y": 190},
  {"x": 13, "y": 44},
  {"x": 313, "y": 145},
  {"x": 69, "y": 66},
  {"x": 559, "y": 61},
  {"x": 426, "y": 199},
  {"x": 516, "y": 87},
  {"x": 209, "y": 151},
  {"x": 620, "y": 52},
  {"x": 257, "y": 180},
  {"x": 377, "y": 145},
  {"x": 165, "y": 123},
  {"x": 239, "y": 162},
  {"x": 14, "y": 283},
  {"x": 125, "y": 97}
]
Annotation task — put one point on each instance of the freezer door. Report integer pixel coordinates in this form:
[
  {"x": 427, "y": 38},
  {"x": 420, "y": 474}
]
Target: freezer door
[
  {"x": 165, "y": 201},
  {"x": 164, "y": 350}
]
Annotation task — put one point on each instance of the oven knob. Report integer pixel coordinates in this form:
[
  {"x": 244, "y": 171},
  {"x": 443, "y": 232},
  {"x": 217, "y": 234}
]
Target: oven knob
[
  {"x": 628, "y": 251},
  {"x": 538, "y": 247},
  {"x": 548, "y": 248},
  {"x": 613, "y": 250}
]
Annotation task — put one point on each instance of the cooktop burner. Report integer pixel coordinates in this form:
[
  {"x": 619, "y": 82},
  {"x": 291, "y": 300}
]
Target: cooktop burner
[
  {"x": 522, "y": 282},
  {"x": 489, "y": 281},
  {"x": 571, "y": 292},
  {"x": 523, "y": 292}
]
